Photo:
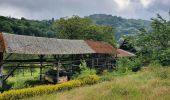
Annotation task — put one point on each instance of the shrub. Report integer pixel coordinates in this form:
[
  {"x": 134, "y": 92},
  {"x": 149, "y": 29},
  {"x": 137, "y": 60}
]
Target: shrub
[
  {"x": 84, "y": 71},
  {"x": 19, "y": 84},
  {"x": 46, "y": 89},
  {"x": 125, "y": 65},
  {"x": 93, "y": 79},
  {"x": 108, "y": 76}
]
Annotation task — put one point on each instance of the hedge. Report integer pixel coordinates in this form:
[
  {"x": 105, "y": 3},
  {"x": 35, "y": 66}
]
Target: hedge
[{"x": 47, "y": 89}]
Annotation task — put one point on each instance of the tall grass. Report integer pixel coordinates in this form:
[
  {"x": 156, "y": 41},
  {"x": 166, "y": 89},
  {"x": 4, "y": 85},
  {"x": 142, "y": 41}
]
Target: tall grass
[{"x": 151, "y": 83}]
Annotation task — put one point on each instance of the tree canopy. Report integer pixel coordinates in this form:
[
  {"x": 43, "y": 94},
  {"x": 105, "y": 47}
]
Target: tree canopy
[
  {"x": 26, "y": 27},
  {"x": 155, "y": 45},
  {"x": 83, "y": 28}
]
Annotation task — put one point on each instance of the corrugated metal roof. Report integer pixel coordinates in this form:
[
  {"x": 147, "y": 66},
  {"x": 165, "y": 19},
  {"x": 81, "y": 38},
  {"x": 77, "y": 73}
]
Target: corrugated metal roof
[
  {"x": 101, "y": 47},
  {"x": 39, "y": 45},
  {"x": 123, "y": 53}
]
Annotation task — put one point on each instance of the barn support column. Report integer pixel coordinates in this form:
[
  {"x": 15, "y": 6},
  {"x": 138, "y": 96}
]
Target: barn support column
[
  {"x": 1, "y": 69},
  {"x": 92, "y": 64},
  {"x": 97, "y": 60},
  {"x": 41, "y": 67},
  {"x": 72, "y": 59},
  {"x": 58, "y": 66}
]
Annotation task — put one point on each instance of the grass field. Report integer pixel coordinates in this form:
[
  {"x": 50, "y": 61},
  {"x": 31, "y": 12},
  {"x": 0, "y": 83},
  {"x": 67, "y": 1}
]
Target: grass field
[
  {"x": 148, "y": 84},
  {"x": 21, "y": 80}
]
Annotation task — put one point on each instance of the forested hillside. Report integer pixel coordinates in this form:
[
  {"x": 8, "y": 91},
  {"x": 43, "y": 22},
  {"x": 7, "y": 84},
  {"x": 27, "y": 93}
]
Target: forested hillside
[
  {"x": 26, "y": 27},
  {"x": 122, "y": 25},
  {"x": 44, "y": 28}
]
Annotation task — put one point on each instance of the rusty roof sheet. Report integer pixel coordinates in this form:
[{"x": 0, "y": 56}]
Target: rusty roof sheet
[
  {"x": 101, "y": 47},
  {"x": 123, "y": 53},
  {"x": 39, "y": 45}
]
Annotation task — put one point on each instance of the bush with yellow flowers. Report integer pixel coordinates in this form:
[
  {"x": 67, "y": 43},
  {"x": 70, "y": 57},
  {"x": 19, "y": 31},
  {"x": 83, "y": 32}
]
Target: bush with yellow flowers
[{"x": 47, "y": 89}]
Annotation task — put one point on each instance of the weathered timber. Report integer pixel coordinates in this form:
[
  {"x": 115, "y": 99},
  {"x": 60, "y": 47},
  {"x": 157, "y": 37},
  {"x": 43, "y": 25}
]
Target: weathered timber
[{"x": 41, "y": 66}]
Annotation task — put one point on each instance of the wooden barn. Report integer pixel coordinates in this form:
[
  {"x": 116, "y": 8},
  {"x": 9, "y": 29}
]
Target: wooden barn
[{"x": 50, "y": 51}]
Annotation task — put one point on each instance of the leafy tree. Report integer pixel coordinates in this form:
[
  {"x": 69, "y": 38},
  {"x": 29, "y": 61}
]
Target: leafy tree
[
  {"x": 127, "y": 44},
  {"x": 155, "y": 45},
  {"x": 24, "y": 26},
  {"x": 83, "y": 28}
]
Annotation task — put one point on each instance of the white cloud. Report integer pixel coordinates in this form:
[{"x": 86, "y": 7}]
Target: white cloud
[
  {"x": 146, "y": 3},
  {"x": 47, "y": 9},
  {"x": 122, "y": 4},
  {"x": 11, "y": 11}
]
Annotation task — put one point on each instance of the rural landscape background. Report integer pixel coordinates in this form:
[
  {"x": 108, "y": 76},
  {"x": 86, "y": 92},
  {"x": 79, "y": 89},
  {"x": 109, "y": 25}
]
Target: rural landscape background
[{"x": 139, "y": 27}]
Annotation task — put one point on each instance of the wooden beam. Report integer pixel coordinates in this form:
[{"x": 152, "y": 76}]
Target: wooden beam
[
  {"x": 8, "y": 56},
  {"x": 10, "y": 73}
]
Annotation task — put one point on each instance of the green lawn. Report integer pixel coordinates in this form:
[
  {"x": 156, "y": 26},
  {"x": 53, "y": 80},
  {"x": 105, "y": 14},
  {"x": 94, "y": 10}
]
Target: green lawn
[
  {"x": 19, "y": 80},
  {"x": 148, "y": 84}
]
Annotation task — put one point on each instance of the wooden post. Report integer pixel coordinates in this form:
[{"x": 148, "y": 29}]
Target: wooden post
[
  {"x": 1, "y": 76},
  {"x": 72, "y": 59},
  {"x": 97, "y": 61},
  {"x": 58, "y": 65},
  {"x": 1, "y": 69},
  {"x": 31, "y": 71},
  {"x": 92, "y": 64},
  {"x": 23, "y": 72},
  {"x": 41, "y": 67}
]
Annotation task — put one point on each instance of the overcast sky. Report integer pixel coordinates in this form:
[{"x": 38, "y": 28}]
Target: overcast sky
[{"x": 47, "y": 9}]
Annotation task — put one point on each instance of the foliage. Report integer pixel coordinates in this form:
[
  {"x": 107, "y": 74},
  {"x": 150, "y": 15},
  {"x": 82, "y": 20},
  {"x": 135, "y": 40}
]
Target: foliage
[
  {"x": 84, "y": 71},
  {"x": 126, "y": 64},
  {"x": 83, "y": 28},
  {"x": 155, "y": 45},
  {"x": 19, "y": 85},
  {"x": 26, "y": 27},
  {"x": 127, "y": 43},
  {"x": 46, "y": 89},
  {"x": 19, "y": 81},
  {"x": 44, "y": 28}
]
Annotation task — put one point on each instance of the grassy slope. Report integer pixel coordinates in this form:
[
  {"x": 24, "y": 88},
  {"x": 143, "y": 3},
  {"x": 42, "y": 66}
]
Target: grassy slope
[{"x": 147, "y": 84}]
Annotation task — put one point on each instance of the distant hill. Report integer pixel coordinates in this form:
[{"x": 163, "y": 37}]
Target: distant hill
[
  {"x": 44, "y": 28},
  {"x": 123, "y": 26},
  {"x": 26, "y": 27}
]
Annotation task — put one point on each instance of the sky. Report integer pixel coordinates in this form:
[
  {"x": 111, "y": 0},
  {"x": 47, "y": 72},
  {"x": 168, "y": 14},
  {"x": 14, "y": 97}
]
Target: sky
[{"x": 47, "y": 9}]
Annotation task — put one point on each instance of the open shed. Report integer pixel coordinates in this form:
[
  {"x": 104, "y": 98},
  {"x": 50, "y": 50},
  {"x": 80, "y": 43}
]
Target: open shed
[{"x": 95, "y": 53}]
